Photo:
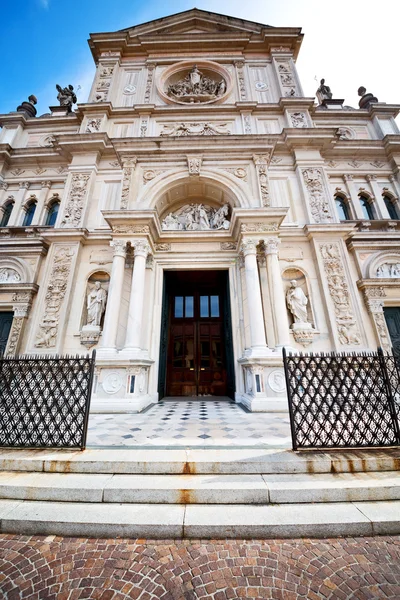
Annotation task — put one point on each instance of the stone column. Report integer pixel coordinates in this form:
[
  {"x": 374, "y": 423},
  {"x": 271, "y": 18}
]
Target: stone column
[
  {"x": 355, "y": 201},
  {"x": 277, "y": 293},
  {"x": 254, "y": 302},
  {"x": 114, "y": 295},
  {"x": 17, "y": 328},
  {"x": 374, "y": 301},
  {"x": 266, "y": 298},
  {"x": 377, "y": 192},
  {"x": 135, "y": 315},
  {"x": 15, "y": 217}
]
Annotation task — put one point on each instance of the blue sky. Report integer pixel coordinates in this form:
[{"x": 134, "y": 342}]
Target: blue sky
[{"x": 349, "y": 42}]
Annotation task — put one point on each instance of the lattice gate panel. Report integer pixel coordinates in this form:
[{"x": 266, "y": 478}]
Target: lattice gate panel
[
  {"x": 343, "y": 400},
  {"x": 45, "y": 401}
]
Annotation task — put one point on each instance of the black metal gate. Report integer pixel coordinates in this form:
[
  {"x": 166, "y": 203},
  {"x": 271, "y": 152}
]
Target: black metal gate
[
  {"x": 45, "y": 401},
  {"x": 343, "y": 400}
]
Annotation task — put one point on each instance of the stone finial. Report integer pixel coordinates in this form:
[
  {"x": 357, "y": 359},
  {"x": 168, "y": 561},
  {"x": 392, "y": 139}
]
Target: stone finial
[
  {"x": 28, "y": 107},
  {"x": 366, "y": 99}
]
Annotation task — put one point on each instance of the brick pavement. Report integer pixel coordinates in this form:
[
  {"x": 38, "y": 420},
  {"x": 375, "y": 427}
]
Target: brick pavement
[{"x": 55, "y": 568}]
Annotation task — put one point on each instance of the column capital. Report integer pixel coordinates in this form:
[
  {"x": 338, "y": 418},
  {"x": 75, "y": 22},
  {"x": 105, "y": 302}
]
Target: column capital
[
  {"x": 141, "y": 248},
  {"x": 249, "y": 246},
  {"x": 272, "y": 245},
  {"x": 119, "y": 247},
  {"x": 21, "y": 310},
  {"x": 347, "y": 177},
  {"x": 370, "y": 178},
  {"x": 3, "y": 185},
  {"x": 45, "y": 184},
  {"x": 24, "y": 185},
  {"x": 374, "y": 299}
]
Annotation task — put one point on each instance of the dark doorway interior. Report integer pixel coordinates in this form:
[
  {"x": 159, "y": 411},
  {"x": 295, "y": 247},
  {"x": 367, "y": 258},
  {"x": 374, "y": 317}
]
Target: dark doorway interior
[
  {"x": 196, "y": 357},
  {"x": 392, "y": 316},
  {"x": 6, "y": 319}
]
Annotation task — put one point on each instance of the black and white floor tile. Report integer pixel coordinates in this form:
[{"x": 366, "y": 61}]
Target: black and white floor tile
[{"x": 193, "y": 422}]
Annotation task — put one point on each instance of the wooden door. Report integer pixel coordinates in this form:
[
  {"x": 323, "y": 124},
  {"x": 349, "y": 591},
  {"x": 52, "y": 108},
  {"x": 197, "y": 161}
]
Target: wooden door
[
  {"x": 6, "y": 319},
  {"x": 392, "y": 316},
  {"x": 196, "y": 360}
]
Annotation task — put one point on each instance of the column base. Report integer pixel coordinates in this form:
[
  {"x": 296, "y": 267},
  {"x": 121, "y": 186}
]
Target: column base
[
  {"x": 264, "y": 386},
  {"x": 263, "y": 404},
  {"x": 122, "y": 405}
]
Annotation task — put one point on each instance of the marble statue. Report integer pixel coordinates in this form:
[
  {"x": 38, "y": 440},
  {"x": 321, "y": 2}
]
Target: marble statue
[
  {"x": 297, "y": 302},
  {"x": 324, "y": 91},
  {"x": 196, "y": 87},
  {"x": 197, "y": 217},
  {"x": 96, "y": 304},
  {"x": 66, "y": 96},
  {"x": 366, "y": 99}
]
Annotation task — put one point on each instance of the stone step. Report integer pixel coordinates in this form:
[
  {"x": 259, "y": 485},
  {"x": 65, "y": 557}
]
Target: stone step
[
  {"x": 200, "y": 489},
  {"x": 199, "y": 521},
  {"x": 199, "y": 461}
]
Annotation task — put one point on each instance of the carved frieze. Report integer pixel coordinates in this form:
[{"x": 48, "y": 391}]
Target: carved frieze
[
  {"x": 258, "y": 227},
  {"x": 163, "y": 247},
  {"x": 286, "y": 77},
  {"x": 389, "y": 270},
  {"x": 149, "y": 83},
  {"x": 228, "y": 245},
  {"x": 197, "y": 217},
  {"x": 319, "y": 205},
  {"x": 9, "y": 275},
  {"x": 129, "y": 166},
  {"x": 56, "y": 290},
  {"x": 131, "y": 229},
  {"x": 241, "y": 80},
  {"x": 187, "y": 129},
  {"x": 103, "y": 83},
  {"x": 196, "y": 86},
  {"x": 261, "y": 161},
  {"x": 76, "y": 200},
  {"x": 347, "y": 328}
]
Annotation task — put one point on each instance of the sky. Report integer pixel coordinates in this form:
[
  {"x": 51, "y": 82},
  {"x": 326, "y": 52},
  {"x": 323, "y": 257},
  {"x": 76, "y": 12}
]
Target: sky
[{"x": 348, "y": 42}]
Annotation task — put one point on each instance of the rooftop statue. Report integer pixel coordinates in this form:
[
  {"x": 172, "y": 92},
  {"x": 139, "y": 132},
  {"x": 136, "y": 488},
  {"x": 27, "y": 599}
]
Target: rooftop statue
[
  {"x": 324, "y": 92},
  {"x": 366, "y": 99},
  {"x": 196, "y": 87},
  {"x": 66, "y": 96}
]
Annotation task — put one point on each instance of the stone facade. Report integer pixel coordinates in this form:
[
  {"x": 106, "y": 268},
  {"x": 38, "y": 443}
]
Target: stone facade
[{"x": 250, "y": 177}]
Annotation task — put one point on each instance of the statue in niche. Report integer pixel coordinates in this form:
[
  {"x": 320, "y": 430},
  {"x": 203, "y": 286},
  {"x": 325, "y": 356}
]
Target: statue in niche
[
  {"x": 324, "y": 92},
  {"x": 297, "y": 302},
  {"x": 66, "y": 96},
  {"x": 96, "y": 304},
  {"x": 197, "y": 217},
  {"x": 196, "y": 87}
]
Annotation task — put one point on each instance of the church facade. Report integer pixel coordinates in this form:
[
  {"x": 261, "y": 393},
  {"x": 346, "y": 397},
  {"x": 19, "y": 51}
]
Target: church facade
[{"x": 197, "y": 214}]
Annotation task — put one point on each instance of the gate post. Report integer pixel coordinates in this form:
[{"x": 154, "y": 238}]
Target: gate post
[
  {"x": 391, "y": 401},
  {"x": 289, "y": 396}
]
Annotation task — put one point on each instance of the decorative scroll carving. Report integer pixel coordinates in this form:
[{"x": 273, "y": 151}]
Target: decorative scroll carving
[
  {"x": 22, "y": 297},
  {"x": 128, "y": 170},
  {"x": 76, "y": 200},
  {"x": 149, "y": 83},
  {"x": 163, "y": 247},
  {"x": 339, "y": 291},
  {"x": 151, "y": 174},
  {"x": 319, "y": 205},
  {"x": 196, "y": 87},
  {"x": 93, "y": 125},
  {"x": 131, "y": 229},
  {"x": 15, "y": 336},
  {"x": 186, "y": 129},
  {"x": 241, "y": 80},
  {"x": 298, "y": 119},
  {"x": 228, "y": 245},
  {"x": 258, "y": 227},
  {"x": 197, "y": 217},
  {"x": 389, "y": 270},
  {"x": 194, "y": 164},
  {"x": 261, "y": 162},
  {"x": 56, "y": 290}
]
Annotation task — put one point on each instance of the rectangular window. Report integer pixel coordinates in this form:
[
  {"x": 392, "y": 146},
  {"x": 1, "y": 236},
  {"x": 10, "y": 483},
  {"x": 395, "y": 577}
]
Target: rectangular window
[
  {"x": 189, "y": 310},
  {"x": 204, "y": 308},
  {"x": 178, "y": 307},
  {"x": 258, "y": 383},
  {"x": 214, "y": 306},
  {"x": 132, "y": 384}
]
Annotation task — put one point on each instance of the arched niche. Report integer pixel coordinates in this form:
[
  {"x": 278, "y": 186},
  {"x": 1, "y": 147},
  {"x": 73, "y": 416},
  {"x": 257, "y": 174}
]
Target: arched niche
[
  {"x": 385, "y": 265},
  {"x": 14, "y": 270},
  {"x": 104, "y": 279},
  {"x": 293, "y": 273}
]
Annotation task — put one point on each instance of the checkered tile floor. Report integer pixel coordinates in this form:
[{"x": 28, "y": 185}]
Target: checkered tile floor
[{"x": 190, "y": 423}]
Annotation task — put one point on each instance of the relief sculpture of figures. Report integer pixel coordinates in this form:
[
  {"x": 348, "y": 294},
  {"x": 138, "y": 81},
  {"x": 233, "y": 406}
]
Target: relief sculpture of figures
[
  {"x": 66, "y": 96},
  {"x": 388, "y": 270},
  {"x": 197, "y": 217},
  {"x": 297, "y": 302},
  {"x": 96, "y": 304},
  {"x": 196, "y": 87}
]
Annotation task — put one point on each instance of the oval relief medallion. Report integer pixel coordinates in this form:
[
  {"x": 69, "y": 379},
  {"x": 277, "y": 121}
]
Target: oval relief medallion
[
  {"x": 112, "y": 383},
  {"x": 276, "y": 381}
]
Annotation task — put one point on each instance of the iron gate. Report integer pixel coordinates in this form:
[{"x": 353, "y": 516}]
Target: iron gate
[
  {"x": 343, "y": 400},
  {"x": 45, "y": 401}
]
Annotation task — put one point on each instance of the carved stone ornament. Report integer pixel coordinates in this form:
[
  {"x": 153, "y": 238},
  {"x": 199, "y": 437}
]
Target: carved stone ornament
[
  {"x": 346, "y": 133},
  {"x": 8, "y": 275},
  {"x": 195, "y": 86},
  {"x": 374, "y": 299},
  {"x": 261, "y": 162},
  {"x": 112, "y": 383},
  {"x": 194, "y": 164},
  {"x": 15, "y": 336},
  {"x": 48, "y": 328},
  {"x": 303, "y": 336},
  {"x": 298, "y": 119},
  {"x": 163, "y": 247},
  {"x": 22, "y": 297},
  {"x": 76, "y": 200},
  {"x": 197, "y": 217},
  {"x": 90, "y": 338},
  {"x": 382, "y": 330},
  {"x": 389, "y": 270},
  {"x": 346, "y": 324},
  {"x": 276, "y": 381},
  {"x": 241, "y": 80},
  {"x": 103, "y": 82},
  {"x": 127, "y": 173},
  {"x": 142, "y": 248},
  {"x": 247, "y": 124},
  {"x": 228, "y": 245},
  {"x": 319, "y": 206},
  {"x": 186, "y": 129},
  {"x": 149, "y": 83},
  {"x": 152, "y": 174},
  {"x": 119, "y": 247},
  {"x": 258, "y": 227},
  {"x": 93, "y": 125},
  {"x": 286, "y": 77},
  {"x": 131, "y": 229}
]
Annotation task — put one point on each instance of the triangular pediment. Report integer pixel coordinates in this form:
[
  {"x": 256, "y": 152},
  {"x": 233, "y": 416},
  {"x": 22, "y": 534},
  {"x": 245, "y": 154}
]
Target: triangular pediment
[{"x": 194, "y": 22}]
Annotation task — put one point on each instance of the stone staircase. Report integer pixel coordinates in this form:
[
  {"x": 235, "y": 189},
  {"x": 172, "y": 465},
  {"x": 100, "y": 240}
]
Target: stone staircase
[{"x": 200, "y": 493}]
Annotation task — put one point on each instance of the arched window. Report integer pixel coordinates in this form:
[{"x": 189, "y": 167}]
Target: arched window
[
  {"x": 392, "y": 209},
  {"x": 367, "y": 209},
  {"x": 30, "y": 211},
  {"x": 7, "y": 210},
  {"x": 52, "y": 213},
  {"x": 342, "y": 208}
]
